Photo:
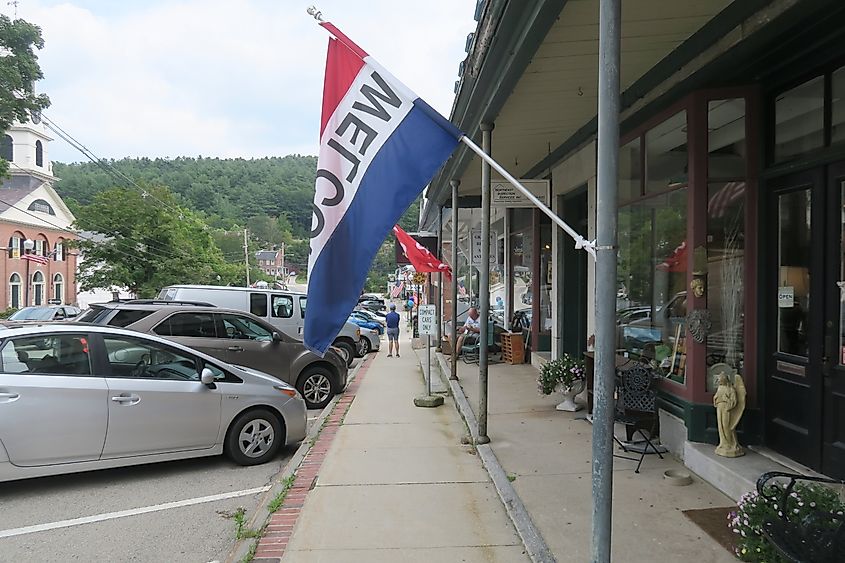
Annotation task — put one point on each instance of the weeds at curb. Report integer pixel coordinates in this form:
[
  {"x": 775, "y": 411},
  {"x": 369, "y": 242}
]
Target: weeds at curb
[
  {"x": 240, "y": 520},
  {"x": 277, "y": 502},
  {"x": 511, "y": 477},
  {"x": 250, "y": 555}
]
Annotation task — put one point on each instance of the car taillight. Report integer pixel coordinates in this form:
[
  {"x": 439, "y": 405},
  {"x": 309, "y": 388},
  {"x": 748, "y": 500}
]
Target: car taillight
[{"x": 285, "y": 390}]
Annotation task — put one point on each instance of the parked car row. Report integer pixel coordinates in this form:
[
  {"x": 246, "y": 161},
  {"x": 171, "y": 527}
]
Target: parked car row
[{"x": 198, "y": 372}]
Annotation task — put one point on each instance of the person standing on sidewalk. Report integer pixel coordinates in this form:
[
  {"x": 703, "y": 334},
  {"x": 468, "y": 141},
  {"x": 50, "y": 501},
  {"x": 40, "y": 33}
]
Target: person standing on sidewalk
[{"x": 392, "y": 320}]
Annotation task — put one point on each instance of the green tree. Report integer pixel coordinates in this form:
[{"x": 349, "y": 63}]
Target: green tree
[
  {"x": 18, "y": 72},
  {"x": 148, "y": 243}
]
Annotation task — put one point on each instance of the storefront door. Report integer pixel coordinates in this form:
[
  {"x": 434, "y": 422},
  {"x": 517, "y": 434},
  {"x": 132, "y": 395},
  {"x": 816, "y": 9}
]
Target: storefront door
[{"x": 805, "y": 379}]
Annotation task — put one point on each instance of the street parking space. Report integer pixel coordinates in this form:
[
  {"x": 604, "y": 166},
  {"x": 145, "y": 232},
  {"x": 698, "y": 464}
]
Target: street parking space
[{"x": 176, "y": 511}]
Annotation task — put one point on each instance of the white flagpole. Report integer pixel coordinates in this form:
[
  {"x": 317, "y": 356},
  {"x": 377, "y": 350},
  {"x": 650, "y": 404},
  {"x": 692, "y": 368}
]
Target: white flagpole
[{"x": 580, "y": 242}]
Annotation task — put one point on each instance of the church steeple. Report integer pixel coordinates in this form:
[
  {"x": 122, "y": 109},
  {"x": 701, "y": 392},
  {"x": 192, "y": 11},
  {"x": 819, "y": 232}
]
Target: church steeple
[{"x": 24, "y": 145}]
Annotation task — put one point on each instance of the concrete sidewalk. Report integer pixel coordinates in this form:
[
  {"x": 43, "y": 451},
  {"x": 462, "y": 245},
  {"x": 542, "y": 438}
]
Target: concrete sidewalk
[
  {"x": 547, "y": 455},
  {"x": 395, "y": 483}
]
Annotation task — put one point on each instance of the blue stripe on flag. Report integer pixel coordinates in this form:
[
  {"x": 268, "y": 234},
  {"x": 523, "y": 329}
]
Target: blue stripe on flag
[{"x": 402, "y": 168}]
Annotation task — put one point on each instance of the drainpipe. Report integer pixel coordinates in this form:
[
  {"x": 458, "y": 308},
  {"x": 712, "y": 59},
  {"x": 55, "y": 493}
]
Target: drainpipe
[
  {"x": 454, "y": 335},
  {"x": 484, "y": 284},
  {"x": 606, "y": 261}
]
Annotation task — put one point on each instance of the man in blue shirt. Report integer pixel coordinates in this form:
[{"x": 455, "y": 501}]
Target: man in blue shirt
[{"x": 392, "y": 319}]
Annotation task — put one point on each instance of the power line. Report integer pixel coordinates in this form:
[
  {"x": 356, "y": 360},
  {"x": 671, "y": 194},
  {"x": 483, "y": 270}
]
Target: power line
[{"x": 109, "y": 168}]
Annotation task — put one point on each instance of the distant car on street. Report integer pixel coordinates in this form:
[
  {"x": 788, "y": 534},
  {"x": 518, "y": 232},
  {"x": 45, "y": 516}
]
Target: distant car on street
[
  {"x": 104, "y": 397},
  {"x": 45, "y": 313},
  {"x": 366, "y": 323},
  {"x": 235, "y": 337}
]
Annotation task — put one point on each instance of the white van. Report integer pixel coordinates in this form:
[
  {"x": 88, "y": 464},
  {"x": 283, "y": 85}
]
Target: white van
[{"x": 283, "y": 309}]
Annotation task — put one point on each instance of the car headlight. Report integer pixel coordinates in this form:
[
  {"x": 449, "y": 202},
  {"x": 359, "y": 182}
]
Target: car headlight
[{"x": 373, "y": 331}]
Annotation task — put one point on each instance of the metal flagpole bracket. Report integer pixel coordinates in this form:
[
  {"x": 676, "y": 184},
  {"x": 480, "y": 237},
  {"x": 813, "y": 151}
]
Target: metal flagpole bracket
[{"x": 315, "y": 13}]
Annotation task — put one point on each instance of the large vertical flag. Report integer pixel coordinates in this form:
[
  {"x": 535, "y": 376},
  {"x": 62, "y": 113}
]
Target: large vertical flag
[{"x": 379, "y": 146}]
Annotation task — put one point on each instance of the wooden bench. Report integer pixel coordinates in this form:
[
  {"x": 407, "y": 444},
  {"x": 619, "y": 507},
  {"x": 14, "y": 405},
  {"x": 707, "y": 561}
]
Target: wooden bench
[{"x": 817, "y": 538}]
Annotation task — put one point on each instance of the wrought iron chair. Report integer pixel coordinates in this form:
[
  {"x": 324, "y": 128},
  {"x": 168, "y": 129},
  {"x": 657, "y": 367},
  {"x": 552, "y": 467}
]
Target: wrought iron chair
[
  {"x": 815, "y": 538},
  {"x": 636, "y": 408}
]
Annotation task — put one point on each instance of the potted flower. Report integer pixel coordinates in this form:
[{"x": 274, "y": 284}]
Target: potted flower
[
  {"x": 566, "y": 375},
  {"x": 753, "y": 510}
]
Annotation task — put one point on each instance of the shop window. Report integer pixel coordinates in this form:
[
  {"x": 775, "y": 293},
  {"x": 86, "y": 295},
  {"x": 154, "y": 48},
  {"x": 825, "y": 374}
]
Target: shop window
[
  {"x": 630, "y": 173},
  {"x": 522, "y": 256},
  {"x": 837, "y": 129},
  {"x": 726, "y": 274},
  {"x": 799, "y": 119},
  {"x": 544, "y": 327},
  {"x": 666, "y": 155},
  {"x": 651, "y": 297},
  {"x": 726, "y": 158}
]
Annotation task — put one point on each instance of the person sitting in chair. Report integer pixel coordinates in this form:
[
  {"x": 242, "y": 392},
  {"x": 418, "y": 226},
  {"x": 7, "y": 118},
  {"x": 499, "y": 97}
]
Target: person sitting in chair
[{"x": 471, "y": 326}]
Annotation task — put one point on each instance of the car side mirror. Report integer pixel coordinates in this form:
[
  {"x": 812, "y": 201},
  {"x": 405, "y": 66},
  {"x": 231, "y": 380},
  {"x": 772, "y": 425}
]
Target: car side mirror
[
  {"x": 277, "y": 337},
  {"x": 207, "y": 378}
]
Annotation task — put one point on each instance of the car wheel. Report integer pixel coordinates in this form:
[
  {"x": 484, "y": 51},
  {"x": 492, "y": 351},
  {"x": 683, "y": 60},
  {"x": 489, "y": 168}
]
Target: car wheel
[
  {"x": 349, "y": 350},
  {"x": 316, "y": 387},
  {"x": 254, "y": 437},
  {"x": 365, "y": 345}
]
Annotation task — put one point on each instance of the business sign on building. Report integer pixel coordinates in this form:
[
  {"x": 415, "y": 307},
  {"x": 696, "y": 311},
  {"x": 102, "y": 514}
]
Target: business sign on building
[
  {"x": 476, "y": 248},
  {"x": 503, "y": 193}
]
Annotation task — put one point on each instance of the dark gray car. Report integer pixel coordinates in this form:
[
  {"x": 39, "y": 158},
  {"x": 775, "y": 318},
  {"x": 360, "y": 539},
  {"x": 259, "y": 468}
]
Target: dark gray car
[{"x": 232, "y": 336}]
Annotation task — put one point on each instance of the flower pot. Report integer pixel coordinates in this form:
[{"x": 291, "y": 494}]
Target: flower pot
[{"x": 569, "y": 393}]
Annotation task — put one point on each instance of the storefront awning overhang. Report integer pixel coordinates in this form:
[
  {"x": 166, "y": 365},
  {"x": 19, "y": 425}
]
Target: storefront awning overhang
[{"x": 536, "y": 77}]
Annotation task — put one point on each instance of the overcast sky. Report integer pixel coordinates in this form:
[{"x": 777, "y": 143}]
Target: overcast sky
[{"x": 228, "y": 78}]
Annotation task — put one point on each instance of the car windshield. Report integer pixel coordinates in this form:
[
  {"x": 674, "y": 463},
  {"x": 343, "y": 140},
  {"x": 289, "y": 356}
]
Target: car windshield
[{"x": 33, "y": 314}]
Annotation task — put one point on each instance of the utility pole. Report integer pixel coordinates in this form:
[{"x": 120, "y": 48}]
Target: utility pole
[{"x": 246, "y": 258}]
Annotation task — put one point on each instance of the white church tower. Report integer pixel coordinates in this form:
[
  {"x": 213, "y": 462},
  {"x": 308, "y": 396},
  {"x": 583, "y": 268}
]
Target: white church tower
[{"x": 24, "y": 145}]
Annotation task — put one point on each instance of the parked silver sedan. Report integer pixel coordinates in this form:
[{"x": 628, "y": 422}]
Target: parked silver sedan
[{"x": 99, "y": 397}]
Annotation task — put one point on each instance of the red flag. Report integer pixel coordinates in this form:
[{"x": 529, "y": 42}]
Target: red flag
[{"x": 421, "y": 259}]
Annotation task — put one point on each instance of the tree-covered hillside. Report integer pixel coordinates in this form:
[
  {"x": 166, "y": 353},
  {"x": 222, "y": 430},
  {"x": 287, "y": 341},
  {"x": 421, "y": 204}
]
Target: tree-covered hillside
[
  {"x": 229, "y": 192},
  {"x": 271, "y": 197}
]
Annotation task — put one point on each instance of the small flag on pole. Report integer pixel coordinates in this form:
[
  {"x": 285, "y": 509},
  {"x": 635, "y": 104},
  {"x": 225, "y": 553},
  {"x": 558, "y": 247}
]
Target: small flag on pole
[
  {"x": 379, "y": 146},
  {"x": 35, "y": 258},
  {"x": 420, "y": 257}
]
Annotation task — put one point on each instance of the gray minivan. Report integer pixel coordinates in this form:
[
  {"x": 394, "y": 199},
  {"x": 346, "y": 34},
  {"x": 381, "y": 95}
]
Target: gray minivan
[{"x": 283, "y": 309}]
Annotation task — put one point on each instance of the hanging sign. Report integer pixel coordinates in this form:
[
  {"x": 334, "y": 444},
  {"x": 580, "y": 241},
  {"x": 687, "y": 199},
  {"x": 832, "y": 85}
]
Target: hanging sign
[
  {"x": 476, "y": 248},
  {"x": 786, "y": 297},
  {"x": 504, "y": 194},
  {"x": 425, "y": 319}
]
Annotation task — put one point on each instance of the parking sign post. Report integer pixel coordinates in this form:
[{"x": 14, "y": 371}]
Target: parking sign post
[{"x": 426, "y": 322}]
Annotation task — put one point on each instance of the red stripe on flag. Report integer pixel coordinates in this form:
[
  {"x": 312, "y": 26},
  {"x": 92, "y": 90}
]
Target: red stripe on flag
[{"x": 343, "y": 63}]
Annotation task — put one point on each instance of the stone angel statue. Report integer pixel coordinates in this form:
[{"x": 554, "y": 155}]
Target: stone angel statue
[{"x": 729, "y": 401}]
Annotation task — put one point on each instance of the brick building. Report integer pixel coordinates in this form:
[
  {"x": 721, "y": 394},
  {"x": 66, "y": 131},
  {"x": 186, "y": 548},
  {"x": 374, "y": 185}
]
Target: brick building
[{"x": 34, "y": 221}]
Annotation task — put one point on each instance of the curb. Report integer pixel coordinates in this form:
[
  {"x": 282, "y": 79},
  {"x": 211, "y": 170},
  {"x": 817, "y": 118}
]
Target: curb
[
  {"x": 532, "y": 540},
  {"x": 262, "y": 515}
]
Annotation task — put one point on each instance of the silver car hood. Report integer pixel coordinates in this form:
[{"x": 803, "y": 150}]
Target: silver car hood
[{"x": 260, "y": 374}]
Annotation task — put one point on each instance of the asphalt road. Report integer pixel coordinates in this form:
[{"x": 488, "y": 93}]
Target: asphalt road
[{"x": 197, "y": 531}]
